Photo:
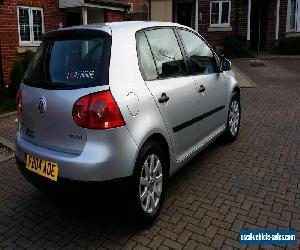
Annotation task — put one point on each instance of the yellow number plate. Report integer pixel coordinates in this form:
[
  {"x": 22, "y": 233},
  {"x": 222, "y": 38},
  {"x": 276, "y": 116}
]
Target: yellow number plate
[{"x": 44, "y": 168}]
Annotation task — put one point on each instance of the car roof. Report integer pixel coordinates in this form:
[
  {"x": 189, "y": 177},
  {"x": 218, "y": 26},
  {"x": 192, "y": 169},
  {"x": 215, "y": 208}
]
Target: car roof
[
  {"x": 127, "y": 26},
  {"x": 137, "y": 25}
]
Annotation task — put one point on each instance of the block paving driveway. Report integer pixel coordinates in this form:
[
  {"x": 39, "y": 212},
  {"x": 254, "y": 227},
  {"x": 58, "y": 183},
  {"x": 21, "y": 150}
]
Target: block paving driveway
[{"x": 249, "y": 184}]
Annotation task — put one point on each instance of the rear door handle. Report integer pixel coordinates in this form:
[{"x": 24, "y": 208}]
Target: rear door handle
[
  {"x": 164, "y": 98},
  {"x": 201, "y": 89}
]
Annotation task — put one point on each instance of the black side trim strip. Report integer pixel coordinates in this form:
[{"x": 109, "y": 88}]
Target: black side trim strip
[{"x": 197, "y": 119}]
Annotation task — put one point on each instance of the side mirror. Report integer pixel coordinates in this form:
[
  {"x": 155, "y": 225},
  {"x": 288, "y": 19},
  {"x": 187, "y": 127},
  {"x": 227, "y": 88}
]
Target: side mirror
[{"x": 225, "y": 64}]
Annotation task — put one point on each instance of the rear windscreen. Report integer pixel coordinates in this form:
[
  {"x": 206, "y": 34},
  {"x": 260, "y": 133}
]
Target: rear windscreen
[{"x": 71, "y": 63}]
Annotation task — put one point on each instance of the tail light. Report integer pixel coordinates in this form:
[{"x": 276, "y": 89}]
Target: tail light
[
  {"x": 97, "y": 111},
  {"x": 19, "y": 102}
]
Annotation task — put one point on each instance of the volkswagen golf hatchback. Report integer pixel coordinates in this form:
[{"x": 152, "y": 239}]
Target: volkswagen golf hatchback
[{"x": 133, "y": 100}]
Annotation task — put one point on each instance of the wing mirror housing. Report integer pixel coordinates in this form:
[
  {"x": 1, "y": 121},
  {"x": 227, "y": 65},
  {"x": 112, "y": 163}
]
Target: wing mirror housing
[{"x": 225, "y": 64}]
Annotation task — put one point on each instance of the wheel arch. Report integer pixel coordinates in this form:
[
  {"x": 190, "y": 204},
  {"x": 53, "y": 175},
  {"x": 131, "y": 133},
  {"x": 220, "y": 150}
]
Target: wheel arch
[
  {"x": 161, "y": 140},
  {"x": 237, "y": 90}
]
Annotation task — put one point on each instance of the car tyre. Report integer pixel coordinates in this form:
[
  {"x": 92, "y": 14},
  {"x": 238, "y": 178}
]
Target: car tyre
[
  {"x": 233, "y": 118},
  {"x": 149, "y": 183}
]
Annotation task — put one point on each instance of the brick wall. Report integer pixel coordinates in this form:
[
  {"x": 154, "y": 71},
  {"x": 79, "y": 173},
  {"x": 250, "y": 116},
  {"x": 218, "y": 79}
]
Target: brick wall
[
  {"x": 215, "y": 38},
  {"x": 136, "y": 16},
  {"x": 238, "y": 22},
  {"x": 136, "y": 4},
  {"x": 241, "y": 18},
  {"x": 114, "y": 15},
  {"x": 283, "y": 18},
  {"x": 269, "y": 28},
  {"x": 9, "y": 36}
]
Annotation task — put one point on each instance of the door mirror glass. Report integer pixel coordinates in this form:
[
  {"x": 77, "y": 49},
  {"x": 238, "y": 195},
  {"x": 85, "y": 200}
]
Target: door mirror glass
[{"x": 225, "y": 64}]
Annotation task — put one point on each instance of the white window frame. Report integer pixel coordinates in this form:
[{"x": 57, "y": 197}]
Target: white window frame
[
  {"x": 297, "y": 17},
  {"x": 131, "y": 7},
  {"x": 219, "y": 24},
  {"x": 30, "y": 9}
]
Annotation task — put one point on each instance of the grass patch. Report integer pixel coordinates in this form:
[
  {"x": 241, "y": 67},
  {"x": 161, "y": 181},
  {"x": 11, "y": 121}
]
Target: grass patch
[{"x": 7, "y": 104}]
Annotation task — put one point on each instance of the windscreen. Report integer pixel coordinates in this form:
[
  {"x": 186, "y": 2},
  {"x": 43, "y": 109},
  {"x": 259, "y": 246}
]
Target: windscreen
[{"x": 69, "y": 63}]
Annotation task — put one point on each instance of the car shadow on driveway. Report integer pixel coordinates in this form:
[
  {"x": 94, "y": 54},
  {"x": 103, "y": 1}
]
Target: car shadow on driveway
[
  {"x": 77, "y": 217},
  {"x": 90, "y": 214}
]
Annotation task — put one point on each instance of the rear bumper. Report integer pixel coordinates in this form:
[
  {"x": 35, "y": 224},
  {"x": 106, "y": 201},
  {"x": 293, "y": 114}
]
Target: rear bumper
[
  {"x": 107, "y": 155},
  {"x": 69, "y": 184}
]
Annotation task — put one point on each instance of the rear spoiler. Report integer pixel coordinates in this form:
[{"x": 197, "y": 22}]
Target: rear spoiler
[{"x": 77, "y": 32}]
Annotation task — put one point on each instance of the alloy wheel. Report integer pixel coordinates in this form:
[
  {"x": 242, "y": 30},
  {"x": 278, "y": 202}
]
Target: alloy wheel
[
  {"x": 234, "y": 117},
  {"x": 150, "y": 186}
]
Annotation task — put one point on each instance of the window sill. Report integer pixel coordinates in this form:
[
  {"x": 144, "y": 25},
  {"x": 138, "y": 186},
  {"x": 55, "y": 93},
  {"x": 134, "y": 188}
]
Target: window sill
[
  {"x": 23, "y": 49},
  {"x": 216, "y": 29},
  {"x": 292, "y": 34}
]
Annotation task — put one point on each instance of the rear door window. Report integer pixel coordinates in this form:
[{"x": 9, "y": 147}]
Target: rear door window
[
  {"x": 166, "y": 53},
  {"x": 71, "y": 63},
  {"x": 147, "y": 65}
]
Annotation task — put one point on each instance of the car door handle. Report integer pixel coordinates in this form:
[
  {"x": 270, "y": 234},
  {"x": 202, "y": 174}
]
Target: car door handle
[
  {"x": 164, "y": 98},
  {"x": 201, "y": 89}
]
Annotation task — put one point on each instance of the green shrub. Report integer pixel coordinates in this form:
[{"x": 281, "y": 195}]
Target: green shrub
[
  {"x": 235, "y": 47},
  {"x": 8, "y": 103},
  {"x": 17, "y": 72},
  {"x": 289, "y": 46}
]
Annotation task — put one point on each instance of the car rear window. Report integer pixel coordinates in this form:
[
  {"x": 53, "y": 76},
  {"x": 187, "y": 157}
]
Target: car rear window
[{"x": 70, "y": 63}]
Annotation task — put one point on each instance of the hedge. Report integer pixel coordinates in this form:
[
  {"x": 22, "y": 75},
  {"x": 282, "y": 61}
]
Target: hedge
[
  {"x": 235, "y": 47},
  {"x": 18, "y": 70},
  {"x": 289, "y": 46}
]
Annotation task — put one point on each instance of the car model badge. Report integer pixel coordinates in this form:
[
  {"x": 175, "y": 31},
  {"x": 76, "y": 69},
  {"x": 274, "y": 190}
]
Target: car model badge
[{"x": 42, "y": 107}]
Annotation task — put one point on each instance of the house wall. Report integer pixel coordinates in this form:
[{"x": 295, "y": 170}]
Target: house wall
[
  {"x": 9, "y": 35},
  {"x": 270, "y": 27},
  {"x": 161, "y": 10},
  {"x": 113, "y": 15},
  {"x": 283, "y": 18},
  {"x": 139, "y": 11},
  {"x": 239, "y": 21},
  {"x": 95, "y": 15},
  {"x": 269, "y": 31},
  {"x": 137, "y": 4},
  {"x": 215, "y": 36}
]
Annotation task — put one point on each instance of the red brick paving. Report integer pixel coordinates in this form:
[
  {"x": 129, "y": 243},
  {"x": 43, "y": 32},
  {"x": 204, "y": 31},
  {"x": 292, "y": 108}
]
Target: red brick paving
[{"x": 249, "y": 184}]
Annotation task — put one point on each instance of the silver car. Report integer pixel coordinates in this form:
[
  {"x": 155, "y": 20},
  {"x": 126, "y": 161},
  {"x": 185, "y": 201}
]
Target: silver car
[{"x": 134, "y": 100}]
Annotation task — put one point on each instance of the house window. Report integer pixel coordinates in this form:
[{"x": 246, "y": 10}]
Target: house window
[
  {"x": 293, "y": 13},
  {"x": 220, "y": 13},
  {"x": 31, "y": 25},
  {"x": 130, "y": 7}
]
